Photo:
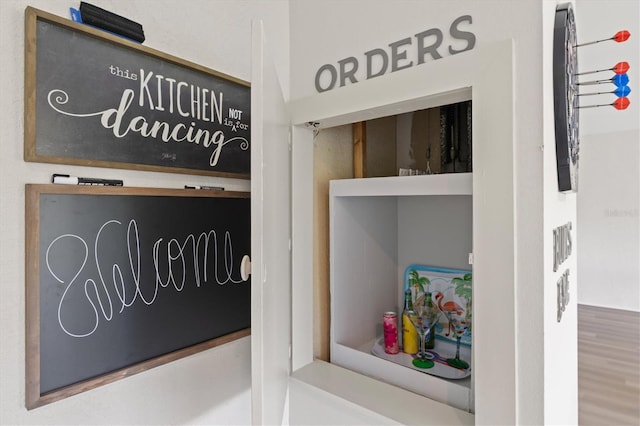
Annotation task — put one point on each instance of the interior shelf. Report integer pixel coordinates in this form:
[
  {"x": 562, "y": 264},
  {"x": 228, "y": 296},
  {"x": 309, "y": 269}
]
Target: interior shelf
[
  {"x": 455, "y": 393},
  {"x": 378, "y": 227},
  {"x": 443, "y": 349},
  {"x": 443, "y": 184}
]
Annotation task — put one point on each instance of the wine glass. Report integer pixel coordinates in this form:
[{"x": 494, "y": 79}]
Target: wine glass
[
  {"x": 460, "y": 324},
  {"x": 423, "y": 322}
]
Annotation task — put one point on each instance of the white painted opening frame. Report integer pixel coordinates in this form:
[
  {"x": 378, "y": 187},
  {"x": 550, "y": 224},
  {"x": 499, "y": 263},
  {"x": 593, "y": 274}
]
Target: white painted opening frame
[{"x": 489, "y": 72}]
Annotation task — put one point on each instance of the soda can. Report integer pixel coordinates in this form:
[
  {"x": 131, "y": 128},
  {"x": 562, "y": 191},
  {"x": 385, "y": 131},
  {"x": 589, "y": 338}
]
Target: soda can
[{"x": 390, "y": 327}]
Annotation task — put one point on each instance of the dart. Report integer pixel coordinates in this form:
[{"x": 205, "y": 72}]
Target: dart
[
  {"x": 619, "y": 37},
  {"x": 619, "y": 80},
  {"x": 619, "y": 68},
  {"x": 619, "y": 104},
  {"x": 619, "y": 92}
]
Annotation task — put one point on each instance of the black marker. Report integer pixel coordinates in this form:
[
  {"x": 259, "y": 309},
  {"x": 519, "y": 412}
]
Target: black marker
[
  {"x": 214, "y": 188},
  {"x": 72, "y": 180}
]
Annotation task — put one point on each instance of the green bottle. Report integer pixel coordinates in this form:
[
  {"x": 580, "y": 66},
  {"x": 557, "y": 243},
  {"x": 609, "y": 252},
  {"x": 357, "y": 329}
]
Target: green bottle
[{"x": 432, "y": 311}]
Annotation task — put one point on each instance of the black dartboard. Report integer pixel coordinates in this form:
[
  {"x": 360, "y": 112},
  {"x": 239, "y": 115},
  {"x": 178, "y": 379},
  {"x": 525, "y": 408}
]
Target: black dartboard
[{"x": 565, "y": 95}]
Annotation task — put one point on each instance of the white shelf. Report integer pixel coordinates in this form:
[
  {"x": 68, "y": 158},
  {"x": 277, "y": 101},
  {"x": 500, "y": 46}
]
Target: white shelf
[
  {"x": 443, "y": 350},
  {"x": 379, "y": 402},
  {"x": 455, "y": 393},
  {"x": 380, "y": 226},
  {"x": 443, "y": 184}
]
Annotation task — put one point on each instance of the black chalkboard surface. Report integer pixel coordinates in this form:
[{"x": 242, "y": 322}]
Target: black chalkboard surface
[
  {"x": 120, "y": 276},
  {"x": 92, "y": 98}
]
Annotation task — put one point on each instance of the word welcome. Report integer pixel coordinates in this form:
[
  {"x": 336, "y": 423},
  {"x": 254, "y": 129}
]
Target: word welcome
[
  {"x": 428, "y": 42},
  {"x": 115, "y": 293}
]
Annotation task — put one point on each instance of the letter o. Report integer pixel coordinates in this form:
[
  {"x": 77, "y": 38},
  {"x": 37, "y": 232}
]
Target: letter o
[{"x": 334, "y": 77}]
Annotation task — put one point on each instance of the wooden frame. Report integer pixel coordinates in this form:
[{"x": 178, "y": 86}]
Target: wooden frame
[
  {"x": 34, "y": 397},
  {"x": 96, "y": 99},
  {"x": 360, "y": 149}
]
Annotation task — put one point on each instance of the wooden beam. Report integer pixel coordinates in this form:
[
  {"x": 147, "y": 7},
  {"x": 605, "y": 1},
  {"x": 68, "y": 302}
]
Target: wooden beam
[{"x": 360, "y": 149}]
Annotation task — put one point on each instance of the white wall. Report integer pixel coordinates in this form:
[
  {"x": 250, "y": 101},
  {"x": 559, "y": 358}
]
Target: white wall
[
  {"x": 212, "y": 387},
  {"x": 609, "y": 177},
  {"x": 608, "y": 199},
  {"x": 341, "y": 29},
  {"x": 560, "y": 338},
  {"x": 329, "y": 30}
]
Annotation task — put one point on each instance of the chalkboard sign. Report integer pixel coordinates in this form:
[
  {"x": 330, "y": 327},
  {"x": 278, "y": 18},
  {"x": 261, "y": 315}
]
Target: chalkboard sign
[
  {"x": 123, "y": 279},
  {"x": 92, "y": 98}
]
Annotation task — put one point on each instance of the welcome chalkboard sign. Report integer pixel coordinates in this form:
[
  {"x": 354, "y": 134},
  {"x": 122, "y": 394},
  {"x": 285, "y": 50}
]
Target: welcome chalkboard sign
[
  {"x": 120, "y": 280},
  {"x": 92, "y": 98}
]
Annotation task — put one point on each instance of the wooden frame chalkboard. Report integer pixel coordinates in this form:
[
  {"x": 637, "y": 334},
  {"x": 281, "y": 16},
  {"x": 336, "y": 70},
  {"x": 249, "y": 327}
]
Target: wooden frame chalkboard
[
  {"x": 96, "y": 99},
  {"x": 120, "y": 280}
]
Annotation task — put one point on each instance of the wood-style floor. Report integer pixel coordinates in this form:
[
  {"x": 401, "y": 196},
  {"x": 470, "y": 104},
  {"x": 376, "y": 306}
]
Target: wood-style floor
[{"x": 608, "y": 366}]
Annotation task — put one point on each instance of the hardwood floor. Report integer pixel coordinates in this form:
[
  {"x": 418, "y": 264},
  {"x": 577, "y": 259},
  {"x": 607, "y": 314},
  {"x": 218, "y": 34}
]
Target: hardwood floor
[{"x": 608, "y": 366}]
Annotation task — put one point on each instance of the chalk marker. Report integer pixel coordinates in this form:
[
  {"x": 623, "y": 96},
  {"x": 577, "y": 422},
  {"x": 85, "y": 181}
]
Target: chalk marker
[
  {"x": 214, "y": 188},
  {"x": 73, "y": 180}
]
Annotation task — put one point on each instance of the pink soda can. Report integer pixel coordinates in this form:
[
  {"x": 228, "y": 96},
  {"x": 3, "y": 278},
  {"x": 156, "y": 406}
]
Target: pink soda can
[{"x": 390, "y": 327}]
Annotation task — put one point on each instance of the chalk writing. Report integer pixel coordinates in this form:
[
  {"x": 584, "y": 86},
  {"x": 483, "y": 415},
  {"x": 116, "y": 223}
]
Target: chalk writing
[
  {"x": 113, "y": 118},
  {"x": 172, "y": 260},
  {"x": 128, "y": 106},
  {"x": 202, "y": 102}
]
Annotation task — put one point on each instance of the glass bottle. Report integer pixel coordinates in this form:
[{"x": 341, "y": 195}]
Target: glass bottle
[
  {"x": 431, "y": 309},
  {"x": 409, "y": 333}
]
